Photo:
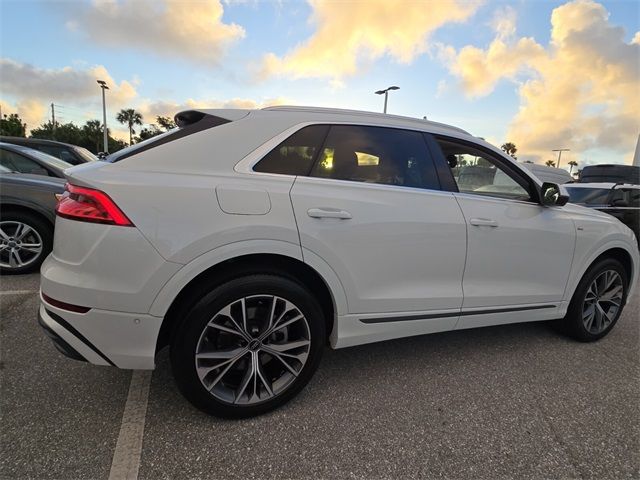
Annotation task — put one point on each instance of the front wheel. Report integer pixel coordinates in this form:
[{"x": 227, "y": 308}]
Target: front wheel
[
  {"x": 597, "y": 302},
  {"x": 25, "y": 241},
  {"x": 248, "y": 346}
]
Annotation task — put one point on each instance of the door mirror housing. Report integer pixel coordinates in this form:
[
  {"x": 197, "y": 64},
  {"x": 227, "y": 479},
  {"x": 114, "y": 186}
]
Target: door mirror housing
[{"x": 550, "y": 195}]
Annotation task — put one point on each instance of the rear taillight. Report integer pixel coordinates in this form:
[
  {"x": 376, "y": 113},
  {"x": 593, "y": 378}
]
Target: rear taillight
[{"x": 89, "y": 205}]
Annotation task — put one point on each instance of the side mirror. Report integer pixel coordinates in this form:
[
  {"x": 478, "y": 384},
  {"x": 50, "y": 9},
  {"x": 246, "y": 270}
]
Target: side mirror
[{"x": 550, "y": 195}]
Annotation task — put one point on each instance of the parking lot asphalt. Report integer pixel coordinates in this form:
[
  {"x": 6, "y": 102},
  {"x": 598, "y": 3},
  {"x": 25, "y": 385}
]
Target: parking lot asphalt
[{"x": 516, "y": 401}]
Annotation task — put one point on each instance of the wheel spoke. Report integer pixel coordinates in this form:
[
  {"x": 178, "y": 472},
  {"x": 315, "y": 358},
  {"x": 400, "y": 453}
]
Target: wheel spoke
[
  {"x": 598, "y": 317},
  {"x": 24, "y": 231},
  {"x": 282, "y": 360},
  {"x": 263, "y": 378},
  {"x": 211, "y": 324},
  {"x": 207, "y": 370},
  {"x": 3, "y": 234},
  {"x": 588, "y": 320},
  {"x": 614, "y": 292},
  {"x": 285, "y": 347},
  {"x": 249, "y": 375},
  {"x": 226, "y": 312},
  {"x": 220, "y": 354},
  {"x": 14, "y": 258}
]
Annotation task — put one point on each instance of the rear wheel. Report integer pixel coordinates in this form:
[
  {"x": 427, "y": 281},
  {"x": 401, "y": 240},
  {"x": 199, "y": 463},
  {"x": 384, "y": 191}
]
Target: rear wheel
[
  {"x": 25, "y": 241},
  {"x": 597, "y": 302},
  {"x": 248, "y": 346}
]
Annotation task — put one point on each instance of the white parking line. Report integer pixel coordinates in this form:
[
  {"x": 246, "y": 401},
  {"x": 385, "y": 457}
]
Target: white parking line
[
  {"x": 17, "y": 292},
  {"x": 126, "y": 457}
]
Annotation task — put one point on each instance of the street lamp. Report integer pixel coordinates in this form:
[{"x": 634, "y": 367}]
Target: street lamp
[
  {"x": 560, "y": 150},
  {"x": 386, "y": 95},
  {"x": 103, "y": 86}
]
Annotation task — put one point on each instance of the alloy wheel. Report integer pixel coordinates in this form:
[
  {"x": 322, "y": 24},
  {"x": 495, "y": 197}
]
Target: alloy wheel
[
  {"x": 253, "y": 349},
  {"x": 602, "y": 301},
  {"x": 20, "y": 244}
]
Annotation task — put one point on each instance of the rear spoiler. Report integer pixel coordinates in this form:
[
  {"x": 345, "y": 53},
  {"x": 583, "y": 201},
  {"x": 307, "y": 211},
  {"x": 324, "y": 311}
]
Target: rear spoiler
[{"x": 188, "y": 122}]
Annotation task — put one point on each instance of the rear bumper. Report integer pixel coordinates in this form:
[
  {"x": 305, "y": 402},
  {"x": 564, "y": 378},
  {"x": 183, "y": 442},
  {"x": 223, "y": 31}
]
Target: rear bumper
[{"x": 103, "y": 337}]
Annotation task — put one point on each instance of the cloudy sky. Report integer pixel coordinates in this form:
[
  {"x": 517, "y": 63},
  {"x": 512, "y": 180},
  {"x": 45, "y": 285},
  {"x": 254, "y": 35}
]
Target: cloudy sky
[{"x": 542, "y": 74}]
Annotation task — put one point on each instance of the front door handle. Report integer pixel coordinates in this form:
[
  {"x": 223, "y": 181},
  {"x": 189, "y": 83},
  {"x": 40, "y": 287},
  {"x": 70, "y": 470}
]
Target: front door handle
[
  {"x": 483, "y": 222},
  {"x": 328, "y": 213}
]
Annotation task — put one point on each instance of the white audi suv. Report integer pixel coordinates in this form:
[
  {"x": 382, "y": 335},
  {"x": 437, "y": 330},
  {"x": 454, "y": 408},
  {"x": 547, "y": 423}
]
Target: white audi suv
[{"x": 247, "y": 240}]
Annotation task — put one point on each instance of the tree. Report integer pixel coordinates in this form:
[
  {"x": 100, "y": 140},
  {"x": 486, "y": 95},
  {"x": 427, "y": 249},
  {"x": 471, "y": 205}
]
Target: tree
[
  {"x": 147, "y": 133},
  {"x": 129, "y": 117},
  {"x": 65, "y": 132},
  {"x": 165, "y": 122},
  {"x": 550, "y": 163},
  {"x": 572, "y": 163},
  {"x": 12, "y": 126},
  {"x": 510, "y": 149},
  {"x": 92, "y": 130}
]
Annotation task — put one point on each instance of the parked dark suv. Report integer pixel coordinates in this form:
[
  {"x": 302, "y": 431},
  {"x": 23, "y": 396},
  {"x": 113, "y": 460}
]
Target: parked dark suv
[
  {"x": 610, "y": 173},
  {"x": 620, "y": 200},
  {"x": 64, "y": 151}
]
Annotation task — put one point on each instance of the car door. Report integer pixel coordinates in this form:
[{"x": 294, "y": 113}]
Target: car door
[
  {"x": 371, "y": 209},
  {"x": 519, "y": 253}
]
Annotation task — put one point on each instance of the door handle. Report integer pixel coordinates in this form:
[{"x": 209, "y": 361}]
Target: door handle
[
  {"x": 328, "y": 213},
  {"x": 483, "y": 222}
]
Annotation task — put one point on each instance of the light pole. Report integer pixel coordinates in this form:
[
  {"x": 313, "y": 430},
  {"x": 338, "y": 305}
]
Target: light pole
[
  {"x": 560, "y": 150},
  {"x": 386, "y": 95},
  {"x": 103, "y": 86}
]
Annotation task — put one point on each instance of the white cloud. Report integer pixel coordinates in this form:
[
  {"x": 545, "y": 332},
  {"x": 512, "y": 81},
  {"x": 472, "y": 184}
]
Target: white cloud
[
  {"x": 188, "y": 29},
  {"x": 150, "y": 109},
  {"x": 580, "y": 92},
  {"x": 350, "y": 35},
  {"x": 23, "y": 80}
]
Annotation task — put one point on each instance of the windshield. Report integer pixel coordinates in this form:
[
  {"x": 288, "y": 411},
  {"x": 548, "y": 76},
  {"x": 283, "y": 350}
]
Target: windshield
[{"x": 86, "y": 154}]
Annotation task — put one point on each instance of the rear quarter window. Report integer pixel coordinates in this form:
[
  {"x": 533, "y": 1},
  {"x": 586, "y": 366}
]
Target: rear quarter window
[{"x": 296, "y": 155}]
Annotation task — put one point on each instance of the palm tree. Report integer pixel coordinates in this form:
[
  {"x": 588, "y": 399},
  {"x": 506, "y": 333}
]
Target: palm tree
[
  {"x": 165, "y": 122},
  {"x": 129, "y": 117},
  {"x": 510, "y": 149},
  {"x": 550, "y": 163},
  {"x": 572, "y": 163}
]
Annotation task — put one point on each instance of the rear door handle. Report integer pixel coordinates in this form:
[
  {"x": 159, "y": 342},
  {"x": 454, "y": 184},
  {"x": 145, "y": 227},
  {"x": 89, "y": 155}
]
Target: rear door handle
[
  {"x": 483, "y": 222},
  {"x": 328, "y": 213}
]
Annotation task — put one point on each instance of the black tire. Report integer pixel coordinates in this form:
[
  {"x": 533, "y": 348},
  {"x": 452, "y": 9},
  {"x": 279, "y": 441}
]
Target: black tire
[
  {"x": 187, "y": 335},
  {"x": 43, "y": 228},
  {"x": 572, "y": 324}
]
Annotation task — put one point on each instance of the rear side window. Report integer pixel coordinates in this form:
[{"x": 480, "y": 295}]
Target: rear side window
[
  {"x": 17, "y": 163},
  {"x": 376, "y": 155},
  {"x": 294, "y": 156}
]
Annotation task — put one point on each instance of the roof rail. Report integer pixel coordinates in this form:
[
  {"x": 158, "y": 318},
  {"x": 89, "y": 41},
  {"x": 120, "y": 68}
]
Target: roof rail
[{"x": 362, "y": 113}]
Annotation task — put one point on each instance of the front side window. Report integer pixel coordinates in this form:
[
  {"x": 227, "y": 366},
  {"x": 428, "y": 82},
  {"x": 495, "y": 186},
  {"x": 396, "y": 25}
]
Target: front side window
[
  {"x": 625, "y": 197},
  {"x": 588, "y": 196},
  {"x": 479, "y": 173},
  {"x": 376, "y": 155},
  {"x": 296, "y": 154}
]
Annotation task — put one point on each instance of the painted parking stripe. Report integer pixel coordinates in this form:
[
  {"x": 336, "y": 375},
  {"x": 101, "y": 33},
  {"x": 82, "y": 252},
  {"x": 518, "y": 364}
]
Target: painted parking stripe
[
  {"x": 126, "y": 457},
  {"x": 18, "y": 292}
]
